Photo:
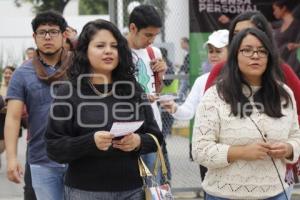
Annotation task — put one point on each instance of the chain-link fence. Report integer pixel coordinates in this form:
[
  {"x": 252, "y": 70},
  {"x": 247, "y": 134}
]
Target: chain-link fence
[{"x": 173, "y": 41}]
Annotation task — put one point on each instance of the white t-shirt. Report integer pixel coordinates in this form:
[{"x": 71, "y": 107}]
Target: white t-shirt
[{"x": 145, "y": 75}]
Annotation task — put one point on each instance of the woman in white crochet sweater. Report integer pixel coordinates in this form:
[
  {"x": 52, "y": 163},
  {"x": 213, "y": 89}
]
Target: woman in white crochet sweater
[{"x": 246, "y": 126}]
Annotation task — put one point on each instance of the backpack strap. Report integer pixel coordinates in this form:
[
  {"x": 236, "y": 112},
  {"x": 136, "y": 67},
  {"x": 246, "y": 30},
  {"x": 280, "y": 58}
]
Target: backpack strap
[
  {"x": 157, "y": 80},
  {"x": 150, "y": 53}
]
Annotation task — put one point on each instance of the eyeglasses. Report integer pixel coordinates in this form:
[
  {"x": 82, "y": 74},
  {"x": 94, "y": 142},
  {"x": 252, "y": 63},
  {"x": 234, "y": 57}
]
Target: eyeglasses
[
  {"x": 249, "y": 52},
  {"x": 51, "y": 32}
]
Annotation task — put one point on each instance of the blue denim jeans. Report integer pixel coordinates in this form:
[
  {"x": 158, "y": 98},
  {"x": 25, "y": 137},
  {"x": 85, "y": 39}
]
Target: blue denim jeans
[
  {"x": 183, "y": 89},
  {"x": 149, "y": 160},
  {"x": 211, "y": 197},
  {"x": 76, "y": 194},
  {"x": 48, "y": 182},
  {"x": 289, "y": 191},
  {"x": 280, "y": 196}
]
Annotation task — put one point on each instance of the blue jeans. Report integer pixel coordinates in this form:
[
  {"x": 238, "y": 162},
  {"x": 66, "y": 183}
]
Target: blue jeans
[
  {"x": 289, "y": 191},
  {"x": 280, "y": 196},
  {"x": 149, "y": 160},
  {"x": 48, "y": 182},
  {"x": 76, "y": 194},
  {"x": 28, "y": 189},
  {"x": 183, "y": 89},
  {"x": 211, "y": 197}
]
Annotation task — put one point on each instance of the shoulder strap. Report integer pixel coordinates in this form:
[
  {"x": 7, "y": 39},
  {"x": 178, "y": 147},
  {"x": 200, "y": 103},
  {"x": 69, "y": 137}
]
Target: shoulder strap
[
  {"x": 157, "y": 80},
  {"x": 150, "y": 52}
]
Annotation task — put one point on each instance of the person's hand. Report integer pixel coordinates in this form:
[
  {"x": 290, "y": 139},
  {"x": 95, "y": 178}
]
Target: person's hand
[
  {"x": 256, "y": 151},
  {"x": 169, "y": 106},
  {"x": 71, "y": 33},
  {"x": 281, "y": 150},
  {"x": 103, "y": 140},
  {"x": 128, "y": 142},
  {"x": 14, "y": 171},
  {"x": 152, "y": 97},
  {"x": 292, "y": 46},
  {"x": 158, "y": 65}
]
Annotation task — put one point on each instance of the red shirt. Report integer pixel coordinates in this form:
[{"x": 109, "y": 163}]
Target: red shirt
[{"x": 291, "y": 80}]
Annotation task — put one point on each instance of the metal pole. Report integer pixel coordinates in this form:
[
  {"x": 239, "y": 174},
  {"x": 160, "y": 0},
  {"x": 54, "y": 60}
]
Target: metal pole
[
  {"x": 120, "y": 15},
  {"x": 112, "y": 11}
]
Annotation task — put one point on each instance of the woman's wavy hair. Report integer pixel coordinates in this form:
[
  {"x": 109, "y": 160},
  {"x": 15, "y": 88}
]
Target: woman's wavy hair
[
  {"x": 123, "y": 72},
  {"x": 260, "y": 22},
  {"x": 230, "y": 84}
]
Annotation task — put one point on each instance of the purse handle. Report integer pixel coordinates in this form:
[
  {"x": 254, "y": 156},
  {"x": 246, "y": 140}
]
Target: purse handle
[
  {"x": 161, "y": 159},
  {"x": 144, "y": 170}
]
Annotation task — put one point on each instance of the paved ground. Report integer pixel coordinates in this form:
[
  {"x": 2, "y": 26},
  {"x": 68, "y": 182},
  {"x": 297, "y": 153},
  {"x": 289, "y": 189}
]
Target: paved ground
[
  {"x": 186, "y": 178},
  {"x": 9, "y": 190}
]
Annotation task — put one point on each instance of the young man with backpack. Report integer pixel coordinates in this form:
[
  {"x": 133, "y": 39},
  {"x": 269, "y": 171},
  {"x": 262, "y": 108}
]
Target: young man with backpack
[{"x": 144, "y": 25}]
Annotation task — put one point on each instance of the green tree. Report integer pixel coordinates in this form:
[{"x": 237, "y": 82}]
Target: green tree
[
  {"x": 42, "y": 5},
  {"x": 93, "y": 7}
]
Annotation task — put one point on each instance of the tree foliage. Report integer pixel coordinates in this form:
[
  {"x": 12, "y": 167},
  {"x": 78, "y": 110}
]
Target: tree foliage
[
  {"x": 93, "y": 7},
  {"x": 42, "y": 5}
]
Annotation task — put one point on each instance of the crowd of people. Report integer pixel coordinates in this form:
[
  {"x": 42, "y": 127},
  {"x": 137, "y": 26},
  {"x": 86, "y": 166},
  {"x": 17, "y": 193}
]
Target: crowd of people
[{"x": 73, "y": 87}]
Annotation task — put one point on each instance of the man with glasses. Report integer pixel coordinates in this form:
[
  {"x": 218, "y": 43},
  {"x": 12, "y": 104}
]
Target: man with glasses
[{"x": 30, "y": 86}]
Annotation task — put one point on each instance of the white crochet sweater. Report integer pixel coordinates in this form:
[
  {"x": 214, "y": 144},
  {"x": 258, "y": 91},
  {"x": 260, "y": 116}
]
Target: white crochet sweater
[{"x": 215, "y": 131}]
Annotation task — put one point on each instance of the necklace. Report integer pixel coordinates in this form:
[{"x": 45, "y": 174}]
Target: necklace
[{"x": 97, "y": 92}]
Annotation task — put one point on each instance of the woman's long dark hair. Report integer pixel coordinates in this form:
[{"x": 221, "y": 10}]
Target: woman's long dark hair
[
  {"x": 260, "y": 22},
  {"x": 230, "y": 84},
  {"x": 123, "y": 72}
]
